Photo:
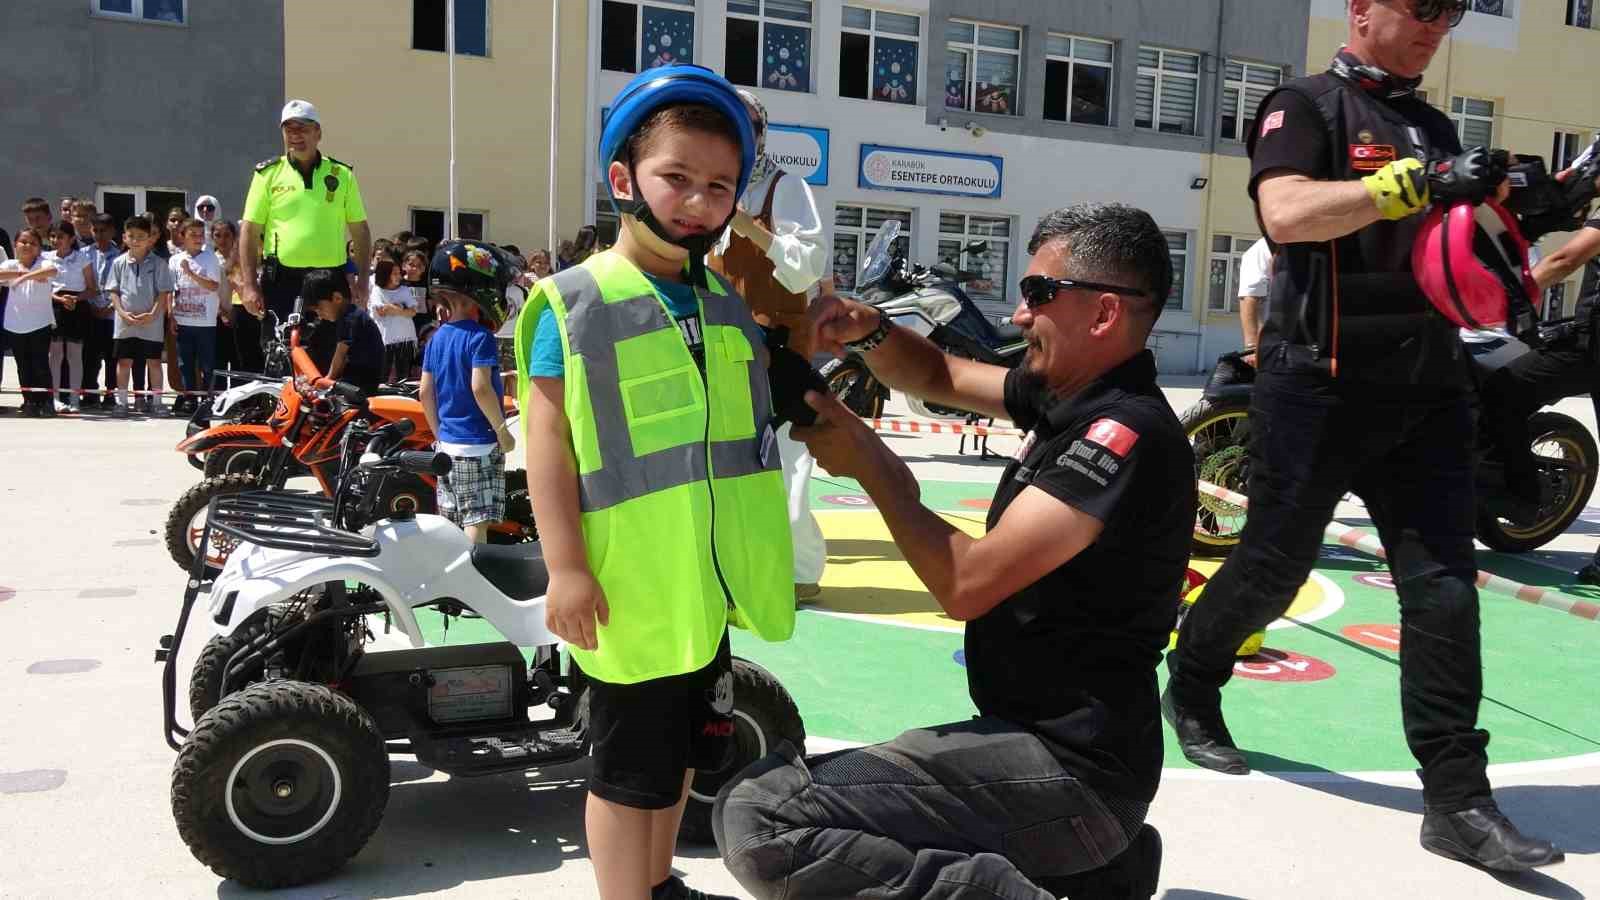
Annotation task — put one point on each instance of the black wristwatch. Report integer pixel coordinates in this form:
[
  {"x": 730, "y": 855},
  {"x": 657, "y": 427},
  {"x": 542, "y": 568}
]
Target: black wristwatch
[{"x": 871, "y": 341}]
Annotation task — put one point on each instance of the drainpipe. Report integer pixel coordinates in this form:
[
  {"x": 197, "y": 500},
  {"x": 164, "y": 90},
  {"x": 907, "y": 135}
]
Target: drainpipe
[{"x": 1204, "y": 250}]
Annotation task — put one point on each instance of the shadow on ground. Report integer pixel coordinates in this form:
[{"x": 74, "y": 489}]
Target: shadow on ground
[
  {"x": 445, "y": 833},
  {"x": 1563, "y": 814}
]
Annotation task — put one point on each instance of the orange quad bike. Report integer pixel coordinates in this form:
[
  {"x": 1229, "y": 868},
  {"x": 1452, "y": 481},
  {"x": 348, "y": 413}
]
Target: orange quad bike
[{"x": 303, "y": 436}]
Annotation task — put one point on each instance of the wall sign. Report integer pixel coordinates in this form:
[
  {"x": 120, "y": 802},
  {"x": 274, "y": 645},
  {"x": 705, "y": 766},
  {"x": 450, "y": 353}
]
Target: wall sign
[
  {"x": 930, "y": 171},
  {"x": 800, "y": 150}
]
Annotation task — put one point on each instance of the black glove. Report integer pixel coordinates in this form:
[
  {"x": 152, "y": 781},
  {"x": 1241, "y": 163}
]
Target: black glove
[
  {"x": 791, "y": 376},
  {"x": 1471, "y": 176}
]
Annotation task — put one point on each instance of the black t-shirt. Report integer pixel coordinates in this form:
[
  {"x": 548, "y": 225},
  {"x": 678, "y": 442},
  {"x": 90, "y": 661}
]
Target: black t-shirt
[
  {"x": 363, "y": 361},
  {"x": 1073, "y": 657}
]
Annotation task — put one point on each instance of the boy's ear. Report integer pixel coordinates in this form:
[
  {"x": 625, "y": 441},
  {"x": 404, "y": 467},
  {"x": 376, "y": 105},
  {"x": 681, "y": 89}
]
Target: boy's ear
[{"x": 621, "y": 181}]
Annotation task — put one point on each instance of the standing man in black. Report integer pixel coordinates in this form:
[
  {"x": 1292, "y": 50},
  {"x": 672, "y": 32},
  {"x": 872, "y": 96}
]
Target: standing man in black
[{"x": 1362, "y": 386}]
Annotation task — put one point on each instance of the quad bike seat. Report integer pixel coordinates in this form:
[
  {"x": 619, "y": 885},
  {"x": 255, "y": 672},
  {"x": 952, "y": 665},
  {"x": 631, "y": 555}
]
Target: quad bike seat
[{"x": 518, "y": 570}]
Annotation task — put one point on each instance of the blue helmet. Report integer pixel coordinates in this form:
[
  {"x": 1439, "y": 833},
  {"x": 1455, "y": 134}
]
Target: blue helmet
[{"x": 649, "y": 91}]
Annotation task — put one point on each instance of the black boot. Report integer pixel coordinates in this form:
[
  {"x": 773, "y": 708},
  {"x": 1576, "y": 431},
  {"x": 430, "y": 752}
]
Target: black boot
[
  {"x": 1132, "y": 875},
  {"x": 1484, "y": 836},
  {"x": 1204, "y": 737}
]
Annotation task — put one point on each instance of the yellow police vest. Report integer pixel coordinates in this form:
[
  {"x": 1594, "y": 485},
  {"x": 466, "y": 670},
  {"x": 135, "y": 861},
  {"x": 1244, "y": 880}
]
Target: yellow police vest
[
  {"x": 680, "y": 491},
  {"x": 303, "y": 218}
]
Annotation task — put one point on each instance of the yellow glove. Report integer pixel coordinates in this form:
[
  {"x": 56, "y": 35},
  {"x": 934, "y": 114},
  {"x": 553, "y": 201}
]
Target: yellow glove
[{"x": 1399, "y": 189}]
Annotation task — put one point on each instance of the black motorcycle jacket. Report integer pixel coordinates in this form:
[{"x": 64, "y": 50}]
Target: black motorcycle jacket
[{"x": 1351, "y": 306}]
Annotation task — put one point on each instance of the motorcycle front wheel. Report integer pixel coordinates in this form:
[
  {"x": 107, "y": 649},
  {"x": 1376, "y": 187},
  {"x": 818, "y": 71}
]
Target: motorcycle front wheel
[
  {"x": 1567, "y": 458},
  {"x": 1219, "y": 431}
]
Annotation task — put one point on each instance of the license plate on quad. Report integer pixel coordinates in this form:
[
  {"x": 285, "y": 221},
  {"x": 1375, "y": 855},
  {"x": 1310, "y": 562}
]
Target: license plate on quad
[{"x": 465, "y": 694}]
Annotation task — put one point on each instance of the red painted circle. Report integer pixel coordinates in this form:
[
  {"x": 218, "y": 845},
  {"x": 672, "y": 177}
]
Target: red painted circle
[
  {"x": 1381, "y": 580},
  {"x": 976, "y": 502},
  {"x": 1379, "y": 636},
  {"x": 861, "y": 501},
  {"x": 1282, "y": 665}
]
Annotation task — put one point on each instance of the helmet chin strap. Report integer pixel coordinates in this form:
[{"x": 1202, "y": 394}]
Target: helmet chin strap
[{"x": 698, "y": 245}]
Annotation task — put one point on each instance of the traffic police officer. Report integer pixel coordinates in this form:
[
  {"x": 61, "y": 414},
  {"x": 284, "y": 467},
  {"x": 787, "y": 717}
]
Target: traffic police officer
[
  {"x": 1362, "y": 387},
  {"x": 295, "y": 217}
]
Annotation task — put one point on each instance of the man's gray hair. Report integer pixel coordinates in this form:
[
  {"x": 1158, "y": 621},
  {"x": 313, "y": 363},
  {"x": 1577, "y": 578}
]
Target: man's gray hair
[{"x": 1111, "y": 242}]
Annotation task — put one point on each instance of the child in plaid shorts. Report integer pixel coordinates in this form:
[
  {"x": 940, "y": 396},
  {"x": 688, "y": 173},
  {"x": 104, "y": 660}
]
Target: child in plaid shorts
[{"x": 462, "y": 391}]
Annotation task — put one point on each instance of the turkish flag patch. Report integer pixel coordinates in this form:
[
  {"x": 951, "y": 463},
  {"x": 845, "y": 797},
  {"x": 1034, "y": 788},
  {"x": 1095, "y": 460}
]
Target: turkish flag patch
[
  {"x": 1370, "y": 157},
  {"x": 1112, "y": 435},
  {"x": 1272, "y": 122}
]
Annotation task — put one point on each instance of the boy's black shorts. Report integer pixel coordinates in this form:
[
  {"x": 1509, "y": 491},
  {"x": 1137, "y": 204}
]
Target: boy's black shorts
[
  {"x": 139, "y": 350},
  {"x": 643, "y": 736}
]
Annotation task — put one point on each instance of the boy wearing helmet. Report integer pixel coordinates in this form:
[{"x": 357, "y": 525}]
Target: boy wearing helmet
[
  {"x": 461, "y": 387},
  {"x": 653, "y": 469}
]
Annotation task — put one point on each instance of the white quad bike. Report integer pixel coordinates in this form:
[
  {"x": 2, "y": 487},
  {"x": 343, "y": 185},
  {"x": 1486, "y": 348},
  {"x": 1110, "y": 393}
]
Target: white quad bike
[{"x": 285, "y": 773}]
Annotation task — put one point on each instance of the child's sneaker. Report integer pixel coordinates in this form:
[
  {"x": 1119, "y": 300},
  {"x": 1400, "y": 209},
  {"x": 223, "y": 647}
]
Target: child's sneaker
[
  {"x": 153, "y": 408},
  {"x": 74, "y": 405},
  {"x": 119, "y": 410},
  {"x": 674, "y": 889}
]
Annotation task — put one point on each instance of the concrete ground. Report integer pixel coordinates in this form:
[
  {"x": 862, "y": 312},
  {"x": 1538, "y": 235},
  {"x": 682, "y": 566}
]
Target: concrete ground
[{"x": 86, "y": 589}]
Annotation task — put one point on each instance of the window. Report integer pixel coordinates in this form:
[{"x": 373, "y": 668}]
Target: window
[
  {"x": 956, "y": 230},
  {"x": 1580, "y": 14},
  {"x": 1077, "y": 80},
  {"x": 1564, "y": 150},
  {"x": 1227, "y": 256},
  {"x": 173, "y": 11},
  {"x": 769, "y": 44},
  {"x": 1178, "y": 249},
  {"x": 854, "y": 227},
  {"x": 1166, "y": 97},
  {"x": 1244, "y": 86},
  {"x": 643, "y": 35},
  {"x": 472, "y": 26},
  {"x": 470, "y": 226},
  {"x": 980, "y": 67},
  {"x": 120, "y": 202},
  {"x": 878, "y": 53},
  {"x": 1474, "y": 120}
]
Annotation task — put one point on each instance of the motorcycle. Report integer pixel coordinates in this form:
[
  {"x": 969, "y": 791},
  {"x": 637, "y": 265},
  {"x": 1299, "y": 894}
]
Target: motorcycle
[
  {"x": 246, "y": 398},
  {"x": 285, "y": 773},
  {"x": 302, "y": 437},
  {"x": 930, "y": 302},
  {"x": 1565, "y": 455}
]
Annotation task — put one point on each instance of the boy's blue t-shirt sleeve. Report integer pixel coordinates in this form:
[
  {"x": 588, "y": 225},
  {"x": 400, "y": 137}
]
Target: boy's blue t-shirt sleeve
[
  {"x": 484, "y": 351},
  {"x": 546, "y": 360}
]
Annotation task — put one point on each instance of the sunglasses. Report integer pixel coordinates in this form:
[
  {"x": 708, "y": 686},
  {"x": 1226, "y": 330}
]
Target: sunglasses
[
  {"x": 207, "y": 206},
  {"x": 1426, "y": 11},
  {"x": 1037, "y": 290}
]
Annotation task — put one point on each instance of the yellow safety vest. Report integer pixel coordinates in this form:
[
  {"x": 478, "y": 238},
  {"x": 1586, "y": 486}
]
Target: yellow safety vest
[
  {"x": 683, "y": 511},
  {"x": 302, "y": 217}
]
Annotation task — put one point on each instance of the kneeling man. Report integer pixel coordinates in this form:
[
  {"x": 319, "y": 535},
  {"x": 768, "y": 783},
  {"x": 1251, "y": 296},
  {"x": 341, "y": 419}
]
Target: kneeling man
[{"x": 1068, "y": 599}]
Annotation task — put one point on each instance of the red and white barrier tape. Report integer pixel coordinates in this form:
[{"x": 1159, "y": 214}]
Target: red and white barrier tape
[
  {"x": 1366, "y": 542},
  {"x": 909, "y": 426}
]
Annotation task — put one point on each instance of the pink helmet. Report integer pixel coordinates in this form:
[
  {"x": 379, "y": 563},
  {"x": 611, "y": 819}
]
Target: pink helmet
[{"x": 1469, "y": 260}]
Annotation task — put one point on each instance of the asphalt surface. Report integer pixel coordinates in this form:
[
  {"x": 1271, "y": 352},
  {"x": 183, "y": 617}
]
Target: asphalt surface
[{"x": 86, "y": 589}]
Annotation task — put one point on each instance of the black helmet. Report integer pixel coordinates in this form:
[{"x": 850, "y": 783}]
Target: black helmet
[{"x": 477, "y": 269}]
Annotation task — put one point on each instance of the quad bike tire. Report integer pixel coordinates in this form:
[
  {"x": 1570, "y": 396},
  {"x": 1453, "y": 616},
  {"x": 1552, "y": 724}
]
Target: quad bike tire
[
  {"x": 193, "y": 502},
  {"x": 857, "y": 388},
  {"x": 280, "y": 784},
  {"x": 205, "y": 680},
  {"x": 764, "y": 716},
  {"x": 1570, "y": 496},
  {"x": 1219, "y": 430},
  {"x": 232, "y": 461}
]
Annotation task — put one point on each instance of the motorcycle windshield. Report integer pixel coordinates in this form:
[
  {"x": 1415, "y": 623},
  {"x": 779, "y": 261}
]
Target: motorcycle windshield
[{"x": 876, "y": 263}]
